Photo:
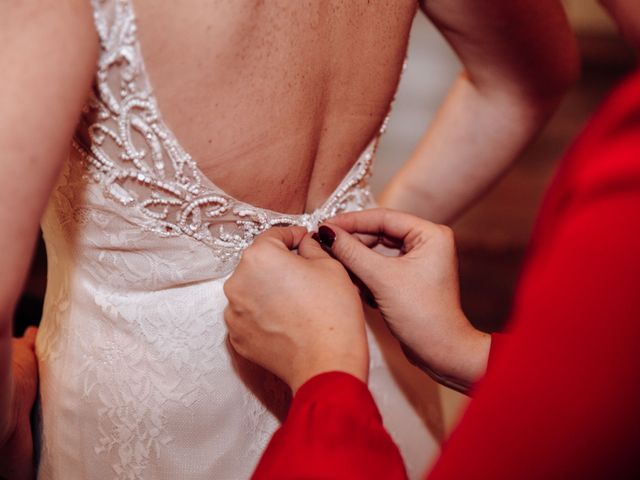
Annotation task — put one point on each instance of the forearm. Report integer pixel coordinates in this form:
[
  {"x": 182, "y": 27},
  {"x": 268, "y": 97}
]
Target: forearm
[
  {"x": 476, "y": 136},
  {"x": 455, "y": 360}
]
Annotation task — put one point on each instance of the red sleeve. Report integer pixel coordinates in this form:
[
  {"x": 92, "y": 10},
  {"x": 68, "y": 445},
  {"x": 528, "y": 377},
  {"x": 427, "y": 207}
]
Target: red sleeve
[
  {"x": 333, "y": 430},
  {"x": 560, "y": 399},
  {"x": 497, "y": 341},
  {"x": 561, "y": 396}
]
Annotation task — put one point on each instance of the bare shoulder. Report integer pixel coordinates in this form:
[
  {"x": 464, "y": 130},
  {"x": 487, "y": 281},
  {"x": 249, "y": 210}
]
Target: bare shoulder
[{"x": 49, "y": 29}]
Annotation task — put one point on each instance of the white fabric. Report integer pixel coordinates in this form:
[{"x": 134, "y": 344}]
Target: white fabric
[{"x": 136, "y": 378}]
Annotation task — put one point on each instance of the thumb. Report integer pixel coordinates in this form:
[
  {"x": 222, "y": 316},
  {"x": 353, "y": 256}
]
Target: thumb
[
  {"x": 286, "y": 238},
  {"x": 311, "y": 248},
  {"x": 366, "y": 264},
  {"x": 30, "y": 335}
]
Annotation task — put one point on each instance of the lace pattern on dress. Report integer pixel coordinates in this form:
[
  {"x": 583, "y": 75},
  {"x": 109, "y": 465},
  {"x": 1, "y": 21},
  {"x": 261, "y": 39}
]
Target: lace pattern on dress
[{"x": 139, "y": 163}]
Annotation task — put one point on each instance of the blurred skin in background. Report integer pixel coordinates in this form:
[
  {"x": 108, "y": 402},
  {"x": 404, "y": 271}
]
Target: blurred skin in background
[{"x": 626, "y": 13}]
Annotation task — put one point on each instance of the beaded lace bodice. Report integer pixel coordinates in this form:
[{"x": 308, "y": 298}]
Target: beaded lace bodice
[
  {"x": 137, "y": 380},
  {"x": 139, "y": 162}
]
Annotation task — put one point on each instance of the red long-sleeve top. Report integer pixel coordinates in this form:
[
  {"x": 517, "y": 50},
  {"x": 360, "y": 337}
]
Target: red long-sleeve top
[{"x": 561, "y": 398}]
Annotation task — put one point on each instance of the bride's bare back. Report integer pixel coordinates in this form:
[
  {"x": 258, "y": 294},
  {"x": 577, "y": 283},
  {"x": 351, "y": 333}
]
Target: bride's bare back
[{"x": 274, "y": 100}]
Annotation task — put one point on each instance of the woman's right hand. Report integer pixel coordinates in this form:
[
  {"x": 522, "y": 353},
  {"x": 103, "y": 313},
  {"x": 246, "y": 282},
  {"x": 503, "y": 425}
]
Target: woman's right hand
[{"x": 417, "y": 292}]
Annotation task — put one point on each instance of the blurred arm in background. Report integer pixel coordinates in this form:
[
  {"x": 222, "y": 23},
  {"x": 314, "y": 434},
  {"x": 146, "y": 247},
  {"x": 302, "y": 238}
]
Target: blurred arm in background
[{"x": 519, "y": 59}]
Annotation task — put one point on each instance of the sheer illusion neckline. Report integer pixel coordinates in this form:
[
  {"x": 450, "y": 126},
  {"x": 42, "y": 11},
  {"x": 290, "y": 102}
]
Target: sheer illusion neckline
[
  {"x": 135, "y": 157},
  {"x": 360, "y": 166}
]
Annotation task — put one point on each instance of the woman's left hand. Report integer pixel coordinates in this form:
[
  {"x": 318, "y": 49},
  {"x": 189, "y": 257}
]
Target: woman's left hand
[
  {"x": 16, "y": 443},
  {"x": 295, "y": 315}
]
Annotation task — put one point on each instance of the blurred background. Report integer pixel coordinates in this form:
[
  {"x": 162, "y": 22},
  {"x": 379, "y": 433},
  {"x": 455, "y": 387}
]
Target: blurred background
[{"x": 493, "y": 235}]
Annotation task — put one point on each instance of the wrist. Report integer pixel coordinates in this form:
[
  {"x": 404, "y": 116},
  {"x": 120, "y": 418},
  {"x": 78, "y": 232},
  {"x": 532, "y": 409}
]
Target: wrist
[
  {"x": 473, "y": 356},
  {"x": 457, "y": 359},
  {"x": 465, "y": 355},
  {"x": 401, "y": 194},
  {"x": 355, "y": 364}
]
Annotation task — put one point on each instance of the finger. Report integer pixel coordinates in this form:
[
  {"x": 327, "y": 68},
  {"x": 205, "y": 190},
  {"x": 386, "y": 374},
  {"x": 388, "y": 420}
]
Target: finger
[
  {"x": 30, "y": 333},
  {"x": 380, "y": 221},
  {"x": 287, "y": 238},
  {"x": 311, "y": 249},
  {"x": 396, "y": 229},
  {"x": 365, "y": 263},
  {"x": 29, "y": 337},
  {"x": 372, "y": 240}
]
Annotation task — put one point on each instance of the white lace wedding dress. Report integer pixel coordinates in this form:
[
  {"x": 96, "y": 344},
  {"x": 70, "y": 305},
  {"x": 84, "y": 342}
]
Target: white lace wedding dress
[{"x": 137, "y": 380}]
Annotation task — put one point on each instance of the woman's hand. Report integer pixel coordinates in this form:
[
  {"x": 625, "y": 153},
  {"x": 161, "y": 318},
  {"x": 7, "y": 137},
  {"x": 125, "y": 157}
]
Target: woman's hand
[
  {"x": 16, "y": 443},
  {"x": 295, "y": 315},
  {"x": 416, "y": 292}
]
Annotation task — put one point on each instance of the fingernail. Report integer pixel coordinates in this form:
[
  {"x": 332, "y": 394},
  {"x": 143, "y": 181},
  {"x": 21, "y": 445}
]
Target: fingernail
[
  {"x": 316, "y": 237},
  {"x": 327, "y": 236}
]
